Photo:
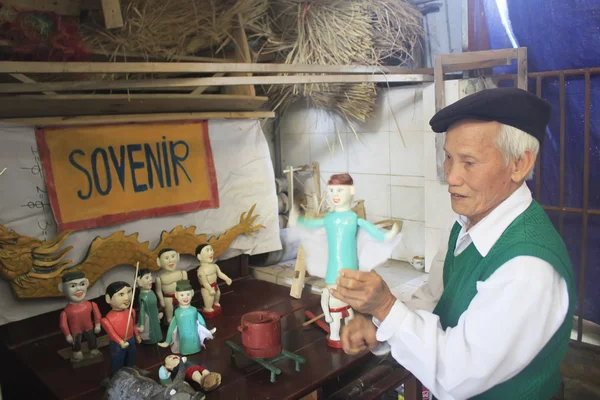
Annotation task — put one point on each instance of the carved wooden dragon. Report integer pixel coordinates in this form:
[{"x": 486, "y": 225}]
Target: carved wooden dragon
[{"x": 34, "y": 267}]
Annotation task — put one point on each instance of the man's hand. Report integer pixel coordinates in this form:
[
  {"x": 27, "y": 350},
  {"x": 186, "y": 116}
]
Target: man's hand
[
  {"x": 69, "y": 339},
  {"x": 359, "y": 335},
  {"x": 124, "y": 344},
  {"x": 97, "y": 328},
  {"x": 365, "y": 292}
]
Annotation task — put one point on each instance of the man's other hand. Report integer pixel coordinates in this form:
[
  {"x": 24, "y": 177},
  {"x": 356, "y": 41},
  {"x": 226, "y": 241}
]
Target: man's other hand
[{"x": 359, "y": 335}]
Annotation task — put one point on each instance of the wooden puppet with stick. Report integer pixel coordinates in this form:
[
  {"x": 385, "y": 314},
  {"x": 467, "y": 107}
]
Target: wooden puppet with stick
[{"x": 120, "y": 324}]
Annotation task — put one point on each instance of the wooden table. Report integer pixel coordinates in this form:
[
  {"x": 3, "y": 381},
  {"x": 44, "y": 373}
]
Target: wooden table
[{"x": 37, "y": 371}]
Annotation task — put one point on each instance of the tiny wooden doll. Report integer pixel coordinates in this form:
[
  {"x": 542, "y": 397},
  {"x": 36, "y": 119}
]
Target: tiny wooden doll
[
  {"x": 207, "y": 380},
  {"x": 208, "y": 272},
  {"x": 121, "y": 333},
  {"x": 165, "y": 283},
  {"x": 148, "y": 322},
  {"x": 187, "y": 330},
  {"x": 76, "y": 319}
]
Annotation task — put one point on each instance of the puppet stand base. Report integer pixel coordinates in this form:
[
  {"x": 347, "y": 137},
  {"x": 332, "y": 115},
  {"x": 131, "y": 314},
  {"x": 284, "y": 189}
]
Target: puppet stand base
[
  {"x": 88, "y": 359},
  {"x": 66, "y": 353},
  {"x": 336, "y": 344},
  {"x": 268, "y": 364},
  {"x": 216, "y": 312}
]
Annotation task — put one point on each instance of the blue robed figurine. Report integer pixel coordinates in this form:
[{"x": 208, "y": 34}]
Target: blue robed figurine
[
  {"x": 187, "y": 330},
  {"x": 342, "y": 230}
]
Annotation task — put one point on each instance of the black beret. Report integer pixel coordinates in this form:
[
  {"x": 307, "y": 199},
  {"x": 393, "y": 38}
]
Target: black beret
[
  {"x": 509, "y": 106},
  {"x": 71, "y": 276}
]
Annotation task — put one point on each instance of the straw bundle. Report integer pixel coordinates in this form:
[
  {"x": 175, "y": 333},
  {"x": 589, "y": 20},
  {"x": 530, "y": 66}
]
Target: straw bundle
[
  {"x": 337, "y": 32},
  {"x": 172, "y": 28}
]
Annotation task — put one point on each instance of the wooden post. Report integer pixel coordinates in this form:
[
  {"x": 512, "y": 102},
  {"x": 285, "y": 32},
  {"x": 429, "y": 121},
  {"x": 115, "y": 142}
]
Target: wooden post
[
  {"x": 300, "y": 267},
  {"x": 242, "y": 55}
]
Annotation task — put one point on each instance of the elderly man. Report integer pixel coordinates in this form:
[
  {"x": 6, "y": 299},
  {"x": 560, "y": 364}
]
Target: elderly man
[{"x": 499, "y": 326}]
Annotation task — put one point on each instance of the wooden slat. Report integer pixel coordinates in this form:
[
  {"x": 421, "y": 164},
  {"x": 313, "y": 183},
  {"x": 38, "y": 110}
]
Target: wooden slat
[
  {"x": 29, "y": 106},
  {"x": 224, "y": 81},
  {"x": 119, "y": 119},
  {"x": 201, "y": 89},
  {"x": 479, "y": 56},
  {"x": 522, "y": 68},
  {"x": 61, "y": 7},
  {"x": 215, "y": 66},
  {"x": 26, "y": 79},
  {"x": 438, "y": 83},
  {"x": 242, "y": 55},
  {"x": 112, "y": 13}
]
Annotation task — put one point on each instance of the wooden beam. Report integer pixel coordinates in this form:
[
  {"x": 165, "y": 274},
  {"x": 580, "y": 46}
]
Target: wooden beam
[
  {"x": 522, "y": 68},
  {"x": 25, "y": 67},
  {"x": 27, "y": 106},
  {"x": 223, "y": 81},
  {"x": 26, "y": 79},
  {"x": 119, "y": 119},
  {"x": 112, "y": 14},
  {"x": 479, "y": 56},
  {"x": 201, "y": 89},
  {"x": 61, "y": 7},
  {"x": 142, "y": 56},
  {"x": 242, "y": 55}
]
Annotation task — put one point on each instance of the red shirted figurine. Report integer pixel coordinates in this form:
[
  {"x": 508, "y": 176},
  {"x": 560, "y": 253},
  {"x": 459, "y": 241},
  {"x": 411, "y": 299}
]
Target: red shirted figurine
[
  {"x": 76, "y": 319},
  {"x": 122, "y": 346}
]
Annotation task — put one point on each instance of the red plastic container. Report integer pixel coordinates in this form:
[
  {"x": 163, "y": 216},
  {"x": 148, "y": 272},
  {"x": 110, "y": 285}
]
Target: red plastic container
[{"x": 261, "y": 334}]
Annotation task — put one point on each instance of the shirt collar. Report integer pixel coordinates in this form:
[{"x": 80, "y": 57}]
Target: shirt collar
[{"x": 487, "y": 231}]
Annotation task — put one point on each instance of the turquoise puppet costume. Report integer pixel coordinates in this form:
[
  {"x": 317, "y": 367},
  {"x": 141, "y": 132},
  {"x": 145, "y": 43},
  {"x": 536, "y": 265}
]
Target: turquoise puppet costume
[
  {"x": 148, "y": 318},
  {"x": 342, "y": 231},
  {"x": 187, "y": 331}
]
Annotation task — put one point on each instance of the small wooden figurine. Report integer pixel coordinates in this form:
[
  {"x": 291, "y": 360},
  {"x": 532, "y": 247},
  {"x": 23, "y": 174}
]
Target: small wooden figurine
[
  {"x": 207, "y": 380},
  {"x": 187, "y": 331},
  {"x": 165, "y": 283},
  {"x": 207, "y": 275},
  {"x": 342, "y": 229},
  {"x": 120, "y": 326},
  {"x": 148, "y": 323},
  {"x": 76, "y": 319}
]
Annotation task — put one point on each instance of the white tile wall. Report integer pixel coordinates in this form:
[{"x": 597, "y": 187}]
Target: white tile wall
[
  {"x": 370, "y": 154},
  {"x": 375, "y": 191},
  {"x": 330, "y": 150},
  {"x": 406, "y": 152}
]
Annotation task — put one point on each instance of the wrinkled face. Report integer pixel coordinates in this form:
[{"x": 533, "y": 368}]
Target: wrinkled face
[
  {"x": 172, "y": 361},
  {"x": 185, "y": 297},
  {"x": 144, "y": 282},
  {"x": 168, "y": 260},
  {"x": 341, "y": 195},
  {"x": 478, "y": 179},
  {"x": 206, "y": 255},
  {"x": 122, "y": 299},
  {"x": 76, "y": 289}
]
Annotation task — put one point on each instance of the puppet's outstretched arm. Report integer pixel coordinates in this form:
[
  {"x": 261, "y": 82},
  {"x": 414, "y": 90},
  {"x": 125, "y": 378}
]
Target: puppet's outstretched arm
[{"x": 378, "y": 233}]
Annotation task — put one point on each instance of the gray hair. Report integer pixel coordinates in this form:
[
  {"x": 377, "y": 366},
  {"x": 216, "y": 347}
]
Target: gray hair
[{"x": 513, "y": 143}]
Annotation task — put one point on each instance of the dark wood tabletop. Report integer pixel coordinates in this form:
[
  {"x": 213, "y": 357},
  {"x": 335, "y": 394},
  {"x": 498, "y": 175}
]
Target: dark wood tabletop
[{"x": 35, "y": 361}]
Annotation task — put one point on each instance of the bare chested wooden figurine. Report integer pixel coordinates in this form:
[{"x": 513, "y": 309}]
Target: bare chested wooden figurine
[
  {"x": 167, "y": 281},
  {"x": 207, "y": 275}
]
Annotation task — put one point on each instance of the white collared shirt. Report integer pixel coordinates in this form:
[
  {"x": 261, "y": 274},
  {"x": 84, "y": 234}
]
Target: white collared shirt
[{"x": 511, "y": 318}]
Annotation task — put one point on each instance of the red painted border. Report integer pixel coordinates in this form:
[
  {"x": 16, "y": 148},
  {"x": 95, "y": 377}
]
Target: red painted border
[{"x": 114, "y": 219}]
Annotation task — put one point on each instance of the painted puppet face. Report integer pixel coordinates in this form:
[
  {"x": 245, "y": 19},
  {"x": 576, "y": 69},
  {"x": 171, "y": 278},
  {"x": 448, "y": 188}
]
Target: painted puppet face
[
  {"x": 341, "y": 195},
  {"x": 122, "y": 299},
  {"x": 172, "y": 361},
  {"x": 168, "y": 260},
  {"x": 144, "y": 282},
  {"x": 184, "y": 297},
  {"x": 207, "y": 255},
  {"x": 76, "y": 289}
]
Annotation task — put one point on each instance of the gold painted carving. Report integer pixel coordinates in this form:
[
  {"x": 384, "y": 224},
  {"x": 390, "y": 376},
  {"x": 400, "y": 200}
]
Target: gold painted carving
[{"x": 34, "y": 267}]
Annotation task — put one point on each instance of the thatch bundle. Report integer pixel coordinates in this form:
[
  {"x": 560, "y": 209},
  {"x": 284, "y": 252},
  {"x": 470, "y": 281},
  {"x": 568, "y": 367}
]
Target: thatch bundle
[
  {"x": 337, "y": 32},
  {"x": 173, "y": 28}
]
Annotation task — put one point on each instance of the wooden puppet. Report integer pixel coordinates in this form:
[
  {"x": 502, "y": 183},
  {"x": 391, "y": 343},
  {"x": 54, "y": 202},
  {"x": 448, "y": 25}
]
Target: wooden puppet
[
  {"x": 148, "y": 322},
  {"x": 207, "y": 380},
  {"x": 165, "y": 283},
  {"x": 187, "y": 330},
  {"x": 76, "y": 318},
  {"x": 208, "y": 272},
  {"x": 343, "y": 240},
  {"x": 119, "y": 323}
]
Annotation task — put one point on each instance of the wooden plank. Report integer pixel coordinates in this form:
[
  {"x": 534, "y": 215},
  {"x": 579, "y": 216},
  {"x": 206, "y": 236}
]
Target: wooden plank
[
  {"x": 477, "y": 65},
  {"x": 201, "y": 89},
  {"x": 479, "y": 56},
  {"x": 28, "y": 106},
  {"x": 216, "y": 65},
  {"x": 113, "y": 18},
  {"x": 223, "y": 81},
  {"x": 242, "y": 55},
  {"x": 120, "y": 119},
  {"x": 438, "y": 74},
  {"x": 26, "y": 79},
  {"x": 522, "y": 68},
  {"x": 61, "y": 7}
]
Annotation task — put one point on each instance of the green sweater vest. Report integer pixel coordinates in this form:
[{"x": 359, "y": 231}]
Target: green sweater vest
[{"x": 530, "y": 234}]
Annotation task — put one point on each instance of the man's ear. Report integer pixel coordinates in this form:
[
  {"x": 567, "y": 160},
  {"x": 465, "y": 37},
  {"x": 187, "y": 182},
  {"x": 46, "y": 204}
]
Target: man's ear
[
  {"x": 522, "y": 166},
  {"x": 60, "y": 287},
  {"x": 107, "y": 298}
]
